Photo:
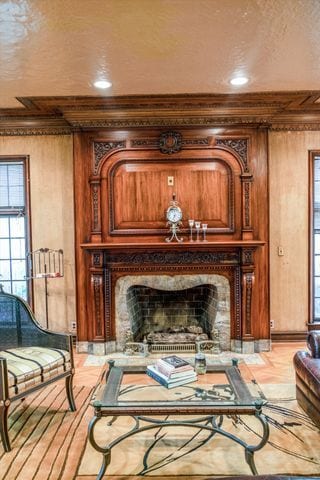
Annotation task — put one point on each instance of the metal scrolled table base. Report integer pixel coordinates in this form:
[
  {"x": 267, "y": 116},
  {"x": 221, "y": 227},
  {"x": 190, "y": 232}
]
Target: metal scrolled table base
[{"x": 215, "y": 427}]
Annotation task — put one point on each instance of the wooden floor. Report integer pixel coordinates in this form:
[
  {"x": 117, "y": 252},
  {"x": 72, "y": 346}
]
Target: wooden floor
[{"x": 278, "y": 367}]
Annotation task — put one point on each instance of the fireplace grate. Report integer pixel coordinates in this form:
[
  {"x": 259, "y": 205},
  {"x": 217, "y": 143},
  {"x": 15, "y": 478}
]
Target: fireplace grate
[{"x": 172, "y": 347}]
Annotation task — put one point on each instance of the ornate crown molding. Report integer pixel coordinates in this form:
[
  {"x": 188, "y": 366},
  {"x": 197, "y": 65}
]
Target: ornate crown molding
[
  {"x": 14, "y": 132},
  {"x": 299, "y": 110}
]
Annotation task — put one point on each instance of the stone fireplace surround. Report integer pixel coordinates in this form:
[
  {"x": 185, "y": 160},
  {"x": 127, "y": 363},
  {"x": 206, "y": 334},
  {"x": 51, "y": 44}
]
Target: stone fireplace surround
[{"x": 219, "y": 312}]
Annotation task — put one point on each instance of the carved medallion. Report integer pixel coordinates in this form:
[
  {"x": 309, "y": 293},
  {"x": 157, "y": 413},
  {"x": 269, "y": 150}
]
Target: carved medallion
[{"x": 170, "y": 142}]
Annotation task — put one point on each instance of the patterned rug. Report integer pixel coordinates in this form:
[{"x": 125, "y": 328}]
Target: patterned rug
[
  {"x": 293, "y": 447},
  {"x": 47, "y": 439},
  {"x": 50, "y": 443}
]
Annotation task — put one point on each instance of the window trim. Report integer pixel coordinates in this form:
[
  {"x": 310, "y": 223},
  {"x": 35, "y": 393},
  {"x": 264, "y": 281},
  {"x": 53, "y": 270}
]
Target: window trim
[
  {"x": 25, "y": 159},
  {"x": 312, "y": 321}
]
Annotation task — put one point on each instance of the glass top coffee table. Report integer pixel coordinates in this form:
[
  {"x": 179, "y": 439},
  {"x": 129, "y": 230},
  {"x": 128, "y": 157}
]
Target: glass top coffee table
[{"x": 203, "y": 404}]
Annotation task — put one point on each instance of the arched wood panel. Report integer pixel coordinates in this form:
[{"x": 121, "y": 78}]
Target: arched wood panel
[{"x": 136, "y": 191}]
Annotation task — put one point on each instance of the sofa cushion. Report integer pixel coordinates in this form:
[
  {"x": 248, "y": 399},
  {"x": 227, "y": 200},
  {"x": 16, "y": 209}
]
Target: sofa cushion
[{"x": 27, "y": 363}]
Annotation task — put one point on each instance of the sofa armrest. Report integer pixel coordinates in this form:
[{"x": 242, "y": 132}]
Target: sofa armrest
[{"x": 313, "y": 342}]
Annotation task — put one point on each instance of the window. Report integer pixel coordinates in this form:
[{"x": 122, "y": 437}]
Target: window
[
  {"x": 14, "y": 226},
  {"x": 315, "y": 235}
]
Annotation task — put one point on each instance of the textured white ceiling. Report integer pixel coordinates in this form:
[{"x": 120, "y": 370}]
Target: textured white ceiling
[{"x": 60, "y": 47}]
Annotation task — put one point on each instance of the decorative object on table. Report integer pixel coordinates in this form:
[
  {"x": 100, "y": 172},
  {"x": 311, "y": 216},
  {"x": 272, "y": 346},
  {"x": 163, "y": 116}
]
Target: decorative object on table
[
  {"x": 173, "y": 363},
  {"x": 174, "y": 217},
  {"x": 172, "y": 371},
  {"x": 197, "y": 225},
  {"x": 204, "y": 230},
  {"x": 45, "y": 263},
  {"x": 191, "y": 225},
  {"x": 170, "y": 382},
  {"x": 200, "y": 363}
]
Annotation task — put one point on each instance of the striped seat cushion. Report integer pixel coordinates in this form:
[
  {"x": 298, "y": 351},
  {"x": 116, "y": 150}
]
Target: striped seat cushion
[{"x": 30, "y": 365}]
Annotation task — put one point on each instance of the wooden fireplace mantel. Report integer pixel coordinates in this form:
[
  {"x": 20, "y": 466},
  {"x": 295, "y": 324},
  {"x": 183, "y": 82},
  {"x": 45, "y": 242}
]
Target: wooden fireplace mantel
[
  {"x": 185, "y": 245},
  {"x": 107, "y": 262}
]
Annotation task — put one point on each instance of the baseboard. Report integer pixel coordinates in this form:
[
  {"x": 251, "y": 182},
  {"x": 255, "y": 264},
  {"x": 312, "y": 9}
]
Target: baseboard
[{"x": 288, "y": 336}]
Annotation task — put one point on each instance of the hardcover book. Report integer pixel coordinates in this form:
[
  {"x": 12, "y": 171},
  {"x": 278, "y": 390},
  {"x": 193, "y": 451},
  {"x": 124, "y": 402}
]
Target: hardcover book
[
  {"x": 172, "y": 365},
  {"x": 174, "y": 361},
  {"x": 154, "y": 373}
]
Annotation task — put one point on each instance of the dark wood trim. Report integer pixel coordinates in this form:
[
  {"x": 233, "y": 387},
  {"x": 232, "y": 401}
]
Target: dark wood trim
[{"x": 289, "y": 336}]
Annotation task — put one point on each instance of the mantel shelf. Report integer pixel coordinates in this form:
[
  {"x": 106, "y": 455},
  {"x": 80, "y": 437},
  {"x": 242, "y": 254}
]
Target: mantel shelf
[{"x": 201, "y": 245}]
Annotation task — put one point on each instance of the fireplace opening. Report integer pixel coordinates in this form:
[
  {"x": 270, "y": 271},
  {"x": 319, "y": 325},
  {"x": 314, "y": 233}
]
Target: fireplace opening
[
  {"x": 172, "y": 317},
  {"x": 182, "y": 306}
]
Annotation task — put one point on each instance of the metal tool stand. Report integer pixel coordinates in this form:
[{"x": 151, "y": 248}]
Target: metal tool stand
[{"x": 45, "y": 263}]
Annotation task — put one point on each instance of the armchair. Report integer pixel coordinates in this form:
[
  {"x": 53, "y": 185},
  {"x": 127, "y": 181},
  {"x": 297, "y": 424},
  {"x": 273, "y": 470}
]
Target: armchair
[{"x": 30, "y": 357}]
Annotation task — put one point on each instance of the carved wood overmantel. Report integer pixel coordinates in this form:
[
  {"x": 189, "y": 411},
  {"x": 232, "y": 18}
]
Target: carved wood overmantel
[{"x": 122, "y": 191}]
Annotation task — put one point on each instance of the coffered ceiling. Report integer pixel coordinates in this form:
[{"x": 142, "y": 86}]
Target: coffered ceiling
[{"x": 190, "y": 48}]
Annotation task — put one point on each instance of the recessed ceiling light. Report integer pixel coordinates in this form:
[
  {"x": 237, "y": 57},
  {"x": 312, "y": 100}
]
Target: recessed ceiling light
[
  {"x": 102, "y": 84},
  {"x": 239, "y": 81}
]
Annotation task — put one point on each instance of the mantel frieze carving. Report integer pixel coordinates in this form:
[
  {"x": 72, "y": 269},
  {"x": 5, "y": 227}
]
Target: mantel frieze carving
[
  {"x": 173, "y": 258},
  {"x": 126, "y": 270}
]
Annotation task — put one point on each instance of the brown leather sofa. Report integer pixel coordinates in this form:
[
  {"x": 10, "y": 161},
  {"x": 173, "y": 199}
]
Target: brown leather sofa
[{"x": 307, "y": 367}]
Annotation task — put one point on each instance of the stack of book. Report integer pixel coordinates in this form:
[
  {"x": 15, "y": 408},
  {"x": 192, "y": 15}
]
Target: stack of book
[{"x": 172, "y": 371}]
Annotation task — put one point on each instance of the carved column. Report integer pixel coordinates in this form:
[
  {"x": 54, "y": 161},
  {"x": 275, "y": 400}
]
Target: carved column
[
  {"x": 97, "y": 297},
  {"x": 247, "y": 272},
  {"x": 247, "y": 230},
  {"x": 110, "y": 325},
  {"x": 95, "y": 210}
]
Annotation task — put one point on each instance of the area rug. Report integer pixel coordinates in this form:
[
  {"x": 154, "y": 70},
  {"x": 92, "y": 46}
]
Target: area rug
[
  {"x": 47, "y": 439},
  {"x": 50, "y": 443},
  {"x": 292, "y": 449}
]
